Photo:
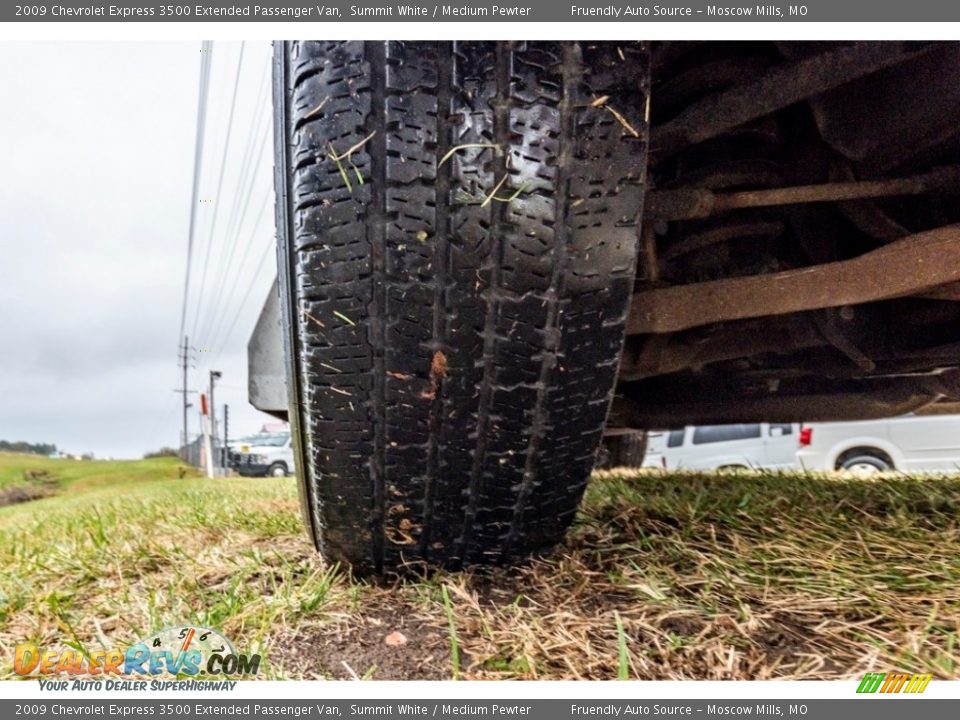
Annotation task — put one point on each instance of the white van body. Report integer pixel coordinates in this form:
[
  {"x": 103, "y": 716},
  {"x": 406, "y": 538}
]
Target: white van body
[
  {"x": 714, "y": 447},
  {"x": 266, "y": 454},
  {"x": 910, "y": 443}
]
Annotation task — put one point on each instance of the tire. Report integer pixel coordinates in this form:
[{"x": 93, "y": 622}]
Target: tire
[
  {"x": 277, "y": 470},
  {"x": 627, "y": 450},
  {"x": 865, "y": 464},
  {"x": 452, "y": 359}
]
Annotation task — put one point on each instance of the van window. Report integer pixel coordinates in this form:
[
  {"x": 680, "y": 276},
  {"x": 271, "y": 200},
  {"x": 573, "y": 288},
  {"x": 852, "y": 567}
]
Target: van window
[
  {"x": 675, "y": 439},
  {"x": 785, "y": 428},
  {"x": 724, "y": 433}
]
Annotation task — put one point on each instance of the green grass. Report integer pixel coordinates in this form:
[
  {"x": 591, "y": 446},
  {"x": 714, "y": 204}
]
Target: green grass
[
  {"x": 662, "y": 576},
  {"x": 80, "y": 475}
]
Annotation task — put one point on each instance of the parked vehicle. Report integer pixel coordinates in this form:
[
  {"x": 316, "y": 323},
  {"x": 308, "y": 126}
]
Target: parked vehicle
[
  {"x": 266, "y": 455},
  {"x": 724, "y": 447},
  {"x": 233, "y": 448},
  {"x": 910, "y": 443}
]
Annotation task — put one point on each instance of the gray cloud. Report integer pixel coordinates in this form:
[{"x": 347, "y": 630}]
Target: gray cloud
[{"x": 97, "y": 148}]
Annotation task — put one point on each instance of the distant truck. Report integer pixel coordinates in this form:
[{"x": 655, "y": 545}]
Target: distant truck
[{"x": 491, "y": 254}]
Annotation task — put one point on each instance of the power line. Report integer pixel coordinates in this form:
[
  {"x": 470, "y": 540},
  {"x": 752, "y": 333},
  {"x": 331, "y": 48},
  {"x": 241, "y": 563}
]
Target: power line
[
  {"x": 163, "y": 420},
  {"x": 240, "y": 267},
  {"x": 243, "y": 302},
  {"x": 216, "y": 198},
  {"x": 244, "y": 189},
  {"x": 226, "y": 266},
  {"x": 206, "y": 60},
  {"x": 240, "y": 188}
]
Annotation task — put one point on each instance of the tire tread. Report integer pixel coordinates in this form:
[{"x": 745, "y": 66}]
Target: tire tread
[{"x": 524, "y": 302}]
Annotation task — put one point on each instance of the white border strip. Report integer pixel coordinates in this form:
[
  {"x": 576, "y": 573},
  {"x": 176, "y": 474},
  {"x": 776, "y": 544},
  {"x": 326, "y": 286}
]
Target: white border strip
[{"x": 59, "y": 31}]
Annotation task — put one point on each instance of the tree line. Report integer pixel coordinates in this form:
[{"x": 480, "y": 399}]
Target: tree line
[{"x": 25, "y": 447}]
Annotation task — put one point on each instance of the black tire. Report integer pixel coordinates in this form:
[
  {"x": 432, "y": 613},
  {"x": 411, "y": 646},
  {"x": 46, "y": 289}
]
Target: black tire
[
  {"x": 863, "y": 461},
  {"x": 624, "y": 450},
  {"x": 452, "y": 359},
  {"x": 278, "y": 469}
]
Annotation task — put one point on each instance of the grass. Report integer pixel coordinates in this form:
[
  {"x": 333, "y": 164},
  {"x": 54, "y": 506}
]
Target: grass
[
  {"x": 454, "y": 643},
  {"x": 662, "y": 576},
  {"x": 82, "y": 475},
  {"x": 623, "y": 657}
]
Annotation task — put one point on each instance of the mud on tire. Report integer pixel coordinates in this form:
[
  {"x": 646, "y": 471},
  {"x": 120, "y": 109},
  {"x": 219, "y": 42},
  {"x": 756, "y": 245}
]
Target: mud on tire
[{"x": 453, "y": 328}]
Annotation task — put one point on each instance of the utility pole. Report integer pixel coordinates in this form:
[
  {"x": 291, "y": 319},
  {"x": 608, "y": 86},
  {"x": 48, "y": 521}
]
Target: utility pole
[
  {"x": 214, "y": 375},
  {"x": 205, "y": 426},
  {"x": 184, "y": 390},
  {"x": 225, "y": 457}
]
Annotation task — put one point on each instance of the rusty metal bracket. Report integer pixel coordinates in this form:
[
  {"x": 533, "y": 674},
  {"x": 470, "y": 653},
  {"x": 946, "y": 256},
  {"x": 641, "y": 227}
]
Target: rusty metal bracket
[
  {"x": 904, "y": 267},
  {"x": 826, "y": 322}
]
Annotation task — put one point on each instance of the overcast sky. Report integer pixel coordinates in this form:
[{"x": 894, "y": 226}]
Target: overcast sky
[{"x": 96, "y": 160}]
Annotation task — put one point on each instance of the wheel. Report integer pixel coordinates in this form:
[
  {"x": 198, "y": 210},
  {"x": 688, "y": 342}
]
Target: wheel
[
  {"x": 865, "y": 464},
  {"x": 458, "y": 240},
  {"x": 626, "y": 450},
  {"x": 277, "y": 470}
]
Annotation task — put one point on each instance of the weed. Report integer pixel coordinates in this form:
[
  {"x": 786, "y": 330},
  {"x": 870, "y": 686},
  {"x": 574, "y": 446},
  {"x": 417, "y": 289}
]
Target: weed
[
  {"x": 454, "y": 643},
  {"x": 623, "y": 659}
]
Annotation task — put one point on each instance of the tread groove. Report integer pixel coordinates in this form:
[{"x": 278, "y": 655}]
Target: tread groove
[
  {"x": 376, "y": 235},
  {"x": 501, "y": 131},
  {"x": 550, "y": 352},
  {"x": 440, "y": 260}
]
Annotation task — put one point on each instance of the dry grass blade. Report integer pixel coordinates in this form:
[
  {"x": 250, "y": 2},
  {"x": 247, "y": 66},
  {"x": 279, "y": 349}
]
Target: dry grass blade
[
  {"x": 623, "y": 121},
  {"x": 347, "y": 155},
  {"x": 356, "y": 146},
  {"x": 343, "y": 317},
  {"x": 487, "y": 200},
  {"x": 317, "y": 110},
  {"x": 313, "y": 319},
  {"x": 457, "y": 148},
  {"x": 343, "y": 173},
  {"x": 512, "y": 197},
  {"x": 602, "y": 102}
]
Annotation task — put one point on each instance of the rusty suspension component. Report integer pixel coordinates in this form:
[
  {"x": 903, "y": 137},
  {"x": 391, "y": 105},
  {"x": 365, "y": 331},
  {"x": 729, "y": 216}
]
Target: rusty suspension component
[
  {"x": 780, "y": 87},
  {"x": 696, "y": 203},
  {"x": 922, "y": 262}
]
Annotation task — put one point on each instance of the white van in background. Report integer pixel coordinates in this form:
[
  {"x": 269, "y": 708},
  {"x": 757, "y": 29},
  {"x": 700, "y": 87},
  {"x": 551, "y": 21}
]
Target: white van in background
[
  {"x": 266, "y": 454},
  {"x": 910, "y": 443},
  {"x": 724, "y": 447}
]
